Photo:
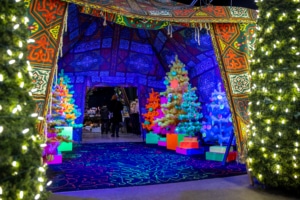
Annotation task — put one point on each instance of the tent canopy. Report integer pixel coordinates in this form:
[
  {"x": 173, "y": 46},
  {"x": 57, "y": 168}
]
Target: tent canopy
[{"x": 158, "y": 14}]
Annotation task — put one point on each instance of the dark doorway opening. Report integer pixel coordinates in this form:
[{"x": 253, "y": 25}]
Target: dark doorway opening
[{"x": 97, "y": 97}]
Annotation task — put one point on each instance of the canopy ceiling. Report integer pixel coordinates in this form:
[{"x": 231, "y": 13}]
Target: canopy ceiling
[{"x": 163, "y": 13}]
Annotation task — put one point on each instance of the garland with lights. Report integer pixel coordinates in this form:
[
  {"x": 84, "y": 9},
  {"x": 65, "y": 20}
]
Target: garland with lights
[
  {"x": 274, "y": 107},
  {"x": 22, "y": 173}
]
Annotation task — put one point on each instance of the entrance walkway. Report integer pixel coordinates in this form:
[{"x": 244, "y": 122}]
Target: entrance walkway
[{"x": 97, "y": 137}]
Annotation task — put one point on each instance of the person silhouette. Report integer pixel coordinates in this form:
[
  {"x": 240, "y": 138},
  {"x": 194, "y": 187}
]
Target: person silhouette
[{"x": 115, "y": 108}]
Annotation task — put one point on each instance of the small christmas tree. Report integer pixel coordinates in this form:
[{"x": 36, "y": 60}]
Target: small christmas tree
[
  {"x": 177, "y": 81},
  {"x": 190, "y": 120},
  {"x": 218, "y": 124},
  {"x": 64, "y": 107},
  {"x": 153, "y": 104}
]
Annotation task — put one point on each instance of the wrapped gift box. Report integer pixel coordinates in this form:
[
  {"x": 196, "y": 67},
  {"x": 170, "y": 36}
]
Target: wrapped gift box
[
  {"x": 162, "y": 143},
  {"x": 67, "y": 132},
  {"x": 219, "y": 149},
  {"x": 219, "y": 156},
  {"x": 152, "y": 138},
  {"x": 183, "y": 151},
  {"x": 173, "y": 140},
  {"x": 189, "y": 143}
]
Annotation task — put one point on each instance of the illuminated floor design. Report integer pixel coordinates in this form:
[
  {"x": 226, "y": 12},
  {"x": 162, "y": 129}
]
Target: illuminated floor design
[{"x": 110, "y": 165}]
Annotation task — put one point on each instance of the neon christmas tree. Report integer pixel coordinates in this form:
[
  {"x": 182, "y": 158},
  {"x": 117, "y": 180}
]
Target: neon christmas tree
[
  {"x": 190, "y": 120},
  {"x": 177, "y": 82},
  {"x": 217, "y": 125},
  {"x": 65, "y": 107},
  {"x": 153, "y": 104}
]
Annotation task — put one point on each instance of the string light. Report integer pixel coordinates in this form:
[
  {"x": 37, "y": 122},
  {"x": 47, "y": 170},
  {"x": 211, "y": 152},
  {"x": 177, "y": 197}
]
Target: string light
[{"x": 21, "y": 195}]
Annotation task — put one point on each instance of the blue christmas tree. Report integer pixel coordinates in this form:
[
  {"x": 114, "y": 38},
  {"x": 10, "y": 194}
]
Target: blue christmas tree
[
  {"x": 217, "y": 126},
  {"x": 189, "y": 121}
]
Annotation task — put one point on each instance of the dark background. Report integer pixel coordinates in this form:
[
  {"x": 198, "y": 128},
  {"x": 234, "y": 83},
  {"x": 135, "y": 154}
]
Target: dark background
[{"x": 102, "y": 95}]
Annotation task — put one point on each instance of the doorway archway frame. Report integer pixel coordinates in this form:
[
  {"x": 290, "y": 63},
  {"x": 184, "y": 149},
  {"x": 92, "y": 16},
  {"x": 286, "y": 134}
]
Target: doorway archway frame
[{"x": 232, "y": 30}]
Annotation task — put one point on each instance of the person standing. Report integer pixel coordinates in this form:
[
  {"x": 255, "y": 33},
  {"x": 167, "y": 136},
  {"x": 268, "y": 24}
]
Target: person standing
[
  {"x": 115, "y": 108},
  {"x": 104, "y": 113},
  {"x": 134, "y": 117}
]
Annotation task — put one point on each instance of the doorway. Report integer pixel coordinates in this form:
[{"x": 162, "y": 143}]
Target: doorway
[{"x": 94, "y": 130}]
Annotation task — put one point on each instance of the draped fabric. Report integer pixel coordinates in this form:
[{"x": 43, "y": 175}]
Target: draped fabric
[
  {"x": 233, "y": 44},
  {"x": 46, "y": 19}
]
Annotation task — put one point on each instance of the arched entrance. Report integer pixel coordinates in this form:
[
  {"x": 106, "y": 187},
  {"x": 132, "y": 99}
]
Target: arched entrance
[{"x": 232, "y": 32}]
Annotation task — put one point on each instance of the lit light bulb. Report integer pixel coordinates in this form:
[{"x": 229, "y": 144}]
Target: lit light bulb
[
  {"x": 22, "y": 84},
  {"x": 37, "y": 196},
  {"x": 49, "y": 183},
  {"x": 14, "y": 110},
  {"x": 14, "y": 163},
  {"x": 26, "y": 20},
  {"x": 279, "y": 98},
  {"x": 43, "y": 145},
  {"x": 40, "y": 118},
  {"x": 40, "y": 179},
  {"x": 41, "y": 169},
  {"x": 11, "y": 62},
  {"x": 9, "y": 52},
  {"x": 19, "y": 107},
  {"x": 25, "y": 131},
  {"x": 34, "y": 114},
  {"x": 16, "y": 26},
  {"x": 30, "y": 40},
  {"x": 21, "y": 55}
]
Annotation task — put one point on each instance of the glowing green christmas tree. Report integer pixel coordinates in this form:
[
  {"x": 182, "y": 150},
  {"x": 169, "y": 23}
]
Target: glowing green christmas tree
[
  {"x": 274, "y": 134},
  {"x": 22, "y": 173}
]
